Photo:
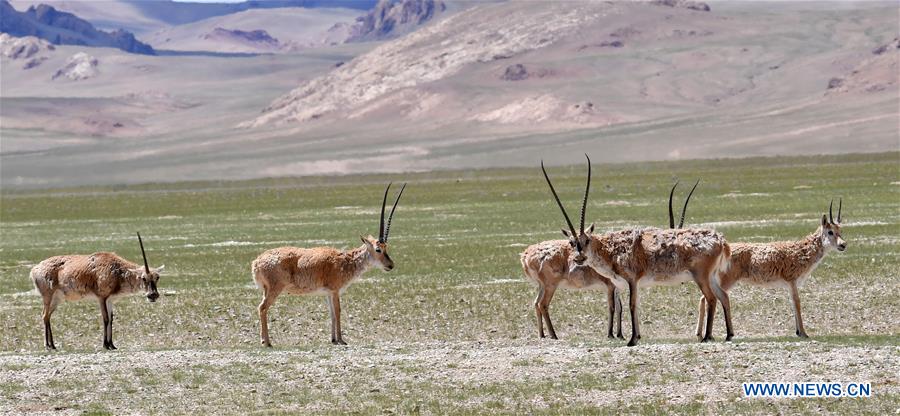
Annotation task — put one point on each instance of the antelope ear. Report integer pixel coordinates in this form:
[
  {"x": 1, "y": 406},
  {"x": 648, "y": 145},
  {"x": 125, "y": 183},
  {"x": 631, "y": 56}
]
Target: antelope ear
[
  {"x": 565, "y": 233},
  {"x": 160, "y": 268},
  {"x": 824, "y": 220},
  {"x": 590, "y": 229}
]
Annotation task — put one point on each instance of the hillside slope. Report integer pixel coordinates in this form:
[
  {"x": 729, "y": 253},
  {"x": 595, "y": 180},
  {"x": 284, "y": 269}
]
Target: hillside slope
[
  {"x": 494, "y": 85},
  {"x": 293, "y": 28}
]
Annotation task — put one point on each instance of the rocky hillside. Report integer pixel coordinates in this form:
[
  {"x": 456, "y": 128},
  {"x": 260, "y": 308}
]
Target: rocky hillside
[
  {"x": 434, "y": 52},
  {"x": 874, "y": 74},
  {"x": 392, "y": 18},
  {"x": 64, "y": 28}
]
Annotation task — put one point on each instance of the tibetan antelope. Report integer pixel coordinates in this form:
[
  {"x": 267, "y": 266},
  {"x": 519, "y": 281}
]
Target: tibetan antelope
[
  {"x": 101, "y": 276},
  {"x": 652, "y": 256},
  {"x": 321, "y": 270},
  {"x": 784, "y": 264},
  {"x": 548, "y": 264}
]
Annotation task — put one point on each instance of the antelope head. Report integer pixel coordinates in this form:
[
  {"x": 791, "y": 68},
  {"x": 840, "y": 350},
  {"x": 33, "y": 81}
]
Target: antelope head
[
  {"x": 377, "y": 248},
  {"x": 580, "y": 240},
  {"x": 831, "y": 229},
  {"x": 149, "y": 277}
]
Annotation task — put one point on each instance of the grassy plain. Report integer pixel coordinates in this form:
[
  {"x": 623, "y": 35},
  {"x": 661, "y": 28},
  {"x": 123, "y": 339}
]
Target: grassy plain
[{"x": 451, "y": 329}]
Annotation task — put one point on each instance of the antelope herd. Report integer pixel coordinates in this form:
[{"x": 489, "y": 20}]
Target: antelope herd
[{"x": 631, "y": 258}]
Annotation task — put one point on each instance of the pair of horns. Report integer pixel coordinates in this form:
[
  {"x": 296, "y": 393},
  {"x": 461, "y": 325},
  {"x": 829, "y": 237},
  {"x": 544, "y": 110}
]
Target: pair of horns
[
  {"x": 382, "y": 230},
  {"x": 684, "y": 209},
  {"x": 143, "y": 253},
  {"x": 587, "y": 189},
  {"x": 840, "y": 205}
]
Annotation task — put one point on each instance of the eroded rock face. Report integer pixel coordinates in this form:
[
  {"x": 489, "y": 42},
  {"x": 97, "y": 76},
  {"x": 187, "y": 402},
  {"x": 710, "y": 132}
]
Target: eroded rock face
[
  {"x": 391, "y": 17},
  {"x": 78, "y": 67}
]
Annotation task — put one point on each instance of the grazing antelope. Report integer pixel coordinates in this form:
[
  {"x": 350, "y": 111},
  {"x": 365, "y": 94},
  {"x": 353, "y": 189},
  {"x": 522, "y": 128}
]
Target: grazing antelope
[
  {"x": 652, "y": 256},
  {"x": 101, "y": 276},
  {"x": 783, "y": 264},
  {"x": 321, "y": 270},
  {"x": 548, "y": 264}
]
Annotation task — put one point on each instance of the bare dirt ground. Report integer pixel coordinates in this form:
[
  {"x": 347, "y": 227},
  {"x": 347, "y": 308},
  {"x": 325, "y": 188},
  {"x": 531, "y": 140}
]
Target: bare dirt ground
[{"x": 326, "y": 378}]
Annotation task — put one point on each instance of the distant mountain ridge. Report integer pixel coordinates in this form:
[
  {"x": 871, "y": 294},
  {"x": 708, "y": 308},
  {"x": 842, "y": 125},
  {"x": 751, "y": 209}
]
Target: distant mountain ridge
[{"x": 64, "y": 28}]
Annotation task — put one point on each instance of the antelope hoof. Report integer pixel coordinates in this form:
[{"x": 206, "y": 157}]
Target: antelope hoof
[
  {"x": 553, "y": 336},
  {"x": 708, "y": 339},
  {"x": 622, "y": 337},
  {"x": 632, "y": 342},
  {"x": 112, "y": 347},
  {"x": 729, "y": 337},
  {"x": 611, "y": 336},
  {"x": 266, "y": 344},
  {"x": 51, "y": 347},
  {"x": 338, "y": 342},
  {"x": 802, "y": 335}
]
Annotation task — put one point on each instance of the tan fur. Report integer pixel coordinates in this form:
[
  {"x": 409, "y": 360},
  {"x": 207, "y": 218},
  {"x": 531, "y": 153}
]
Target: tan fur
[
  {"x": 653, "y": 256},
  {"x": 548, "y": 264},
  {"x": 321, "y": 270},
  {"x": 101, "y": 276},
  {"x": 779, "y": 264}
]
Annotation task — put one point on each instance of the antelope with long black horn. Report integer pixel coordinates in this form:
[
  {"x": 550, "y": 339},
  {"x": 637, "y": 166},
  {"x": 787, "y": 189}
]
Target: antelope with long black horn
[
  {"x": 783, "y": 264},
  {"x": 550, "y": 265},
  {"x": 102, "y": 276},
  {"x": 651, "y": 256},
  {"x": 321, "y": 271}
]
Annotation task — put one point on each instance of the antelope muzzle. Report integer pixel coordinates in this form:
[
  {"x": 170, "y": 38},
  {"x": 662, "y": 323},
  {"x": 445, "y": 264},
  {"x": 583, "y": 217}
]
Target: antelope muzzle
[{"x": 153, "y": 295}]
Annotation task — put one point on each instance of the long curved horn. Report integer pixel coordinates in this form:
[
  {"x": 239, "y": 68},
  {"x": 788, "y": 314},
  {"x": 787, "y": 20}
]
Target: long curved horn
[
  {"x": 381, "y": 224},
  {"x": 387, "y": 230},
  {"x": 830, "y": 217},
  {"x": 586, "y": 190},
  {"x": 556, "y": 197},
  {"x": 671, "y": 216},
  {"x": 143, "y": 253},
  {"x": 840, "y": 205},
  {"x": 684, "y": 209}
]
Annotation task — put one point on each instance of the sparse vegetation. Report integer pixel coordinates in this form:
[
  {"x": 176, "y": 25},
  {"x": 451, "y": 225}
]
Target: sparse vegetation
[{"x": 451, "y": 329}]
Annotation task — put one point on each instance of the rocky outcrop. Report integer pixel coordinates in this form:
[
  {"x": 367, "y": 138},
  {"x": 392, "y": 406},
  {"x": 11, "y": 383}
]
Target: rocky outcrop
[
  {"x": 64, "y": 28},
  {"x": 30, "y": 49},
  {"x": 78, "y": 67},
  {"x": 259, "y": 39},
  {"x": 888, "y": 47},
  {"x": 23, "y": 48},
  {"x": 687, "y": 4},
  {"x": 390, "y": 18}
]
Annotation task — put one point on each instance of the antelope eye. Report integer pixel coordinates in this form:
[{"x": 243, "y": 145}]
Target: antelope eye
[
  {"x": 378, "y": 250},
  {"x": 830, "y": 232}
]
